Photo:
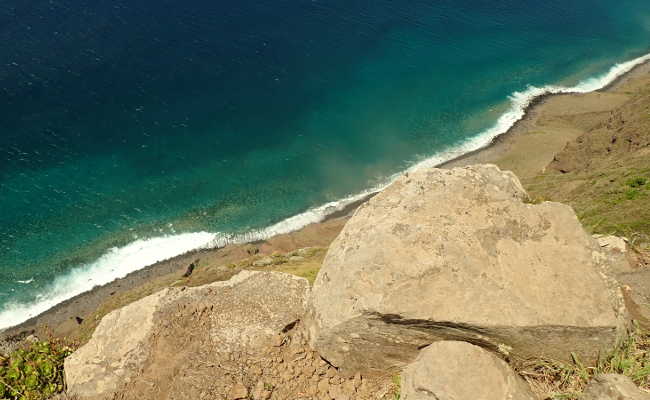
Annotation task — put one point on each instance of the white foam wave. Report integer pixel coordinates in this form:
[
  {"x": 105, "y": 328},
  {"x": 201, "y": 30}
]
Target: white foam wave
[
  {"x": 119, "y": 262},
  {"x": 114, "y": 264},
  {"x": 519, "y": 103}
]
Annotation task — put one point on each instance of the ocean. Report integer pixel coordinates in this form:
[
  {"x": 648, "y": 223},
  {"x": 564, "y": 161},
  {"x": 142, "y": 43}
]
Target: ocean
[{"x": 135, "y": 131}]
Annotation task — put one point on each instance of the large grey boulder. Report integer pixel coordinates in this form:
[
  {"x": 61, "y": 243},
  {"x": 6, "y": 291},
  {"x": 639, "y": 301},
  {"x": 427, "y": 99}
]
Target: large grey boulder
[
  {"x": 460, "y": 255},
  {"x": 613, "y": 387},
  {"x": 141, "y": 350},
  {"x": 461, "y": 371}
]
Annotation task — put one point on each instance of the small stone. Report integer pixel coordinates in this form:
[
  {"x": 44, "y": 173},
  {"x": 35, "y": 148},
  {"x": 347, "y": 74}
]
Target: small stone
[
  {"x": 349, "y": 387},
  {"x": 336, "y": 380},
  {"x": 312, "y": 390},
  {"x": 296, "y": 258},
  {"x": 190, "y": 269},
  {"x": 287, "y": 376},
  {"x": 263, "y": 262},
  {"x": 613, "y": 243},
  {"x": 613, "y": 387},
  {"x": 258, "y": 390},
  {"x": 238, "y": 392},
  {"x": 308, "y": 370},
  {"x": 473, "y": 370},
  {"x": 305, "y": 252},
  {"x": 31, "y": 339},
  {"x": 323, "y": 386}
]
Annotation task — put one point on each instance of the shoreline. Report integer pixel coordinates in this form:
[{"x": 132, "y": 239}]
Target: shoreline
[
  {"x": 61, "y": 318},
  {"x": 476, "y": 156}
]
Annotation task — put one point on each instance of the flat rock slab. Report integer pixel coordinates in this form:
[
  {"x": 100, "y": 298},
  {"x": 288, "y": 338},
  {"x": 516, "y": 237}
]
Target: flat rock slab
[
  {"x": 460, "y": 255},
  {"x": 143, "y": 350},
  {"x": 613, "y": 243},
  {"x": 636, "y": 291},
  {"x": 614, "y": 387},
  {"x": 461, "y": 371}
]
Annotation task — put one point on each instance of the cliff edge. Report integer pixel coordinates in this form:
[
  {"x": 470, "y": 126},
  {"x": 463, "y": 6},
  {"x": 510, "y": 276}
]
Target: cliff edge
[{"x": 444, "y": 265}]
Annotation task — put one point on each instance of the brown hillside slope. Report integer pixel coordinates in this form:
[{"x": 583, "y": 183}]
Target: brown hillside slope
[{"x": 604, "y": 174}]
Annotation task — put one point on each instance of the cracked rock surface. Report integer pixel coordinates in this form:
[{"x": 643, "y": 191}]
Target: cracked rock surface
[{"x": 460, "y": 255}]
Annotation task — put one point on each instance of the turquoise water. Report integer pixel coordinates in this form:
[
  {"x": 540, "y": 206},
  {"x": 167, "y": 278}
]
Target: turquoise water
[{"x": 133, "y": 132}]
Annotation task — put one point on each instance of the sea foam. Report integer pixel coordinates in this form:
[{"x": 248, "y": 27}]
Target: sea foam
[
  {"x": 114, "y": 264},
  {"x": 119, "y": 262}
]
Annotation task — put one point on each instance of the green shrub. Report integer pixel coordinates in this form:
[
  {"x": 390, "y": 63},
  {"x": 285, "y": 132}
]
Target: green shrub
[
  {"x": 33, "y": 373},
  {"x": 632, "y": 194},
  {"x": 636, "y": 182}
]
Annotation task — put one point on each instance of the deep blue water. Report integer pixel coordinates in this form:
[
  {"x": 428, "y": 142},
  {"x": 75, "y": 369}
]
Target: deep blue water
[{"x": 125, "y": 120}]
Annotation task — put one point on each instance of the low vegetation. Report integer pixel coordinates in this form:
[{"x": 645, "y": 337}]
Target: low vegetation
[
  {"x": 304, "y": 263},
  {"x": 611, "y": 202},
  {"x": 33, "y": 373},
  {"x": 555, "y": 380},
  {"x": 605, "y": 173},
  {"x": 637, "y": 182},
  {"x": 397, "y": 387}
]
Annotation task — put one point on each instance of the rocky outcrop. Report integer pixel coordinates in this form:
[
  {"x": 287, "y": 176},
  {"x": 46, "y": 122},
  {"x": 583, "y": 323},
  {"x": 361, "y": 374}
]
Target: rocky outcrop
[
  {"x": 116, "y": 351},
  {"x": 617, "y": 257},
  {"x": 612, "y": 243},
  {"x": 160, "y": 346},
  {"x": 461, "y": 371},
  {"x": 460, "y": 255},
  {"x": 613, "y": 387},
  {"x": 636, "y": 292}
]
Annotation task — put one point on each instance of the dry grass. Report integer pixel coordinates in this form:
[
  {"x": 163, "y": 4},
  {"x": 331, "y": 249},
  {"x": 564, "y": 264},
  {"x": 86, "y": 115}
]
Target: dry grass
[
  {"x": 556, "y": 380},
  {"x": 396, "y": 388},
  {"x": 307, "y": 268}
]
